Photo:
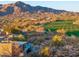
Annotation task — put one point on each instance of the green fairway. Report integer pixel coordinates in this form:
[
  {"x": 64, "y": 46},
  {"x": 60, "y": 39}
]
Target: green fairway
[{"x": 67, "y": 25}]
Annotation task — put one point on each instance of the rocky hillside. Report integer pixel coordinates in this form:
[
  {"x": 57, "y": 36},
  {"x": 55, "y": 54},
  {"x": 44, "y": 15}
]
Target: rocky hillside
[{"x": 10, "y": 8}]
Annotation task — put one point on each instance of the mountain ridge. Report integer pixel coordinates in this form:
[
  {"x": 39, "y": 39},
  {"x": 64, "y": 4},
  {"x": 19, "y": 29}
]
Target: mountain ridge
[{"x": 9, "y": 8}]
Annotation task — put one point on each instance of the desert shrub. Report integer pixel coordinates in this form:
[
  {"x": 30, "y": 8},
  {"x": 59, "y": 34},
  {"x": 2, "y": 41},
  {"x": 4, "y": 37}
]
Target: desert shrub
[
  {"x": 19, "y": 39},
  {"x": 45, "y": 51},
  {"x": 15, "y": 31},
  {"x": 75, "y": 33},
  {"x": 57, "y": 40}
]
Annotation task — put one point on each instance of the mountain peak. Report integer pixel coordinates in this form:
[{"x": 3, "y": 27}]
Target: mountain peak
[
  {"x": 28, "y": 8},
  {"x": 19, "y": 2}
]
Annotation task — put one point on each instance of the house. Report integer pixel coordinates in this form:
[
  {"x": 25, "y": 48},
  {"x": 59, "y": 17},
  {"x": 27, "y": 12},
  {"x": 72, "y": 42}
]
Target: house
[
  {"x": 9, "y": 49},
  {"x": 39, "y": 29},
  {"x": 5, "y": 49}
]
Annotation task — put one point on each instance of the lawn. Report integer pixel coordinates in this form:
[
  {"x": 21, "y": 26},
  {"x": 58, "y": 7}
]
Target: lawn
[{"x": 67, "y": 25}]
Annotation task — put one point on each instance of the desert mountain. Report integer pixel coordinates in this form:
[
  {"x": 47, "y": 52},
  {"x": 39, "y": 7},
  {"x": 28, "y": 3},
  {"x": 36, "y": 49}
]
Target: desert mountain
[{"x": 19, "y": 6}]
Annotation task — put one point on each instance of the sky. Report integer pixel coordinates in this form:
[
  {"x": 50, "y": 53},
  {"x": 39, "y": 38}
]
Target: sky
[{"x": 61, "y": 5}]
